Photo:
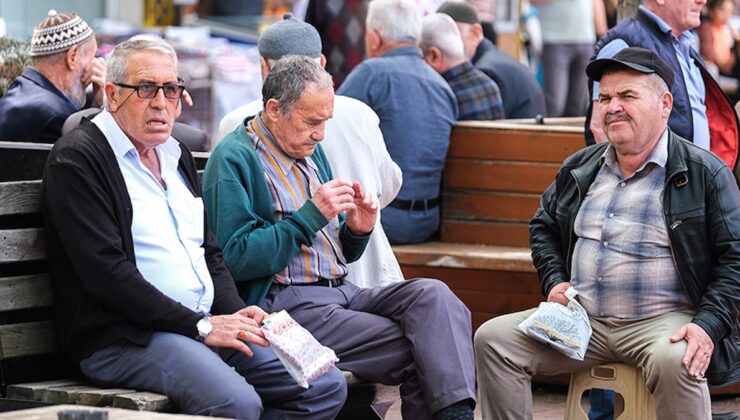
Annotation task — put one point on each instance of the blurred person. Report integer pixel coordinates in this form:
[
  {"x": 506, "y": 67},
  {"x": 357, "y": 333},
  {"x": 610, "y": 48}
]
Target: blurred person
[
  {"x": 478, "y": 97},
  {"x": 568, "y": 34},
  {"x": 395, "y": 81},
  {"x": 38, "y": 101},
  {"x": 520, "y": 92},
  {"x": 717, "y": 39}
]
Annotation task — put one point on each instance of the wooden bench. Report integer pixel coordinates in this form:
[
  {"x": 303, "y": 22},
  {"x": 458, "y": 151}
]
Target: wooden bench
[
  {"x": 494, "y": 176},
  {"x": 32, "y": 370}
]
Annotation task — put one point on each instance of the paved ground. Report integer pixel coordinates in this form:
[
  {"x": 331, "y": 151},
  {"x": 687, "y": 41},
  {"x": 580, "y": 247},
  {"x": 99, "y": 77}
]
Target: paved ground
[{"x": 549, "y": 404}]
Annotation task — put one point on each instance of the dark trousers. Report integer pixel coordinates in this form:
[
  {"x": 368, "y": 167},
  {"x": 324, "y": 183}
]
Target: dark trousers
[{"x": 415, "y": 333}]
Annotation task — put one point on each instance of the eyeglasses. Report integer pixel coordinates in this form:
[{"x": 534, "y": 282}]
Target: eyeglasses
[{"x": 150, "y": 90}]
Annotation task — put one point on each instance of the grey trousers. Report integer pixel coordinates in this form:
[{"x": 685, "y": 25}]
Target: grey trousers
[
  {"x": 565, "y": 80},
  {"x": 223, "y": 382},
  {"x": 415, "y": 333},
  {"x": 506, "y": 359}
]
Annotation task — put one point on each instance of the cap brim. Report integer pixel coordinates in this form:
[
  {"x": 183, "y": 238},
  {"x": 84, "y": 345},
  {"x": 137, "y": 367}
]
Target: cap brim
[{"x": 597, "y": 67}]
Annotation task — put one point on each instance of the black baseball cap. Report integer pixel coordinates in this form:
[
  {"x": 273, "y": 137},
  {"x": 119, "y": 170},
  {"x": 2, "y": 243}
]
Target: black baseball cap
[{"x": 632, "y": 58}]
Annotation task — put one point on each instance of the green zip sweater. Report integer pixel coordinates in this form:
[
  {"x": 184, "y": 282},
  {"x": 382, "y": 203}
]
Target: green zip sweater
[{"x": 241, "y": 213}]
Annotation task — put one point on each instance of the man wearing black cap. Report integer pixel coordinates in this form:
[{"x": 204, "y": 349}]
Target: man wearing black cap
[
  {"x": 701, "y": 113},
  {"x": 520, "y": 92},
  {"x": 645, "y": 227}
]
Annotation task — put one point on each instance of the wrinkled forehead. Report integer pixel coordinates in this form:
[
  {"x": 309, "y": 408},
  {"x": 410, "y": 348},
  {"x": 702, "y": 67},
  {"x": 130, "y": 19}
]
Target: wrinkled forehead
[{"x": 151, "y": 65}]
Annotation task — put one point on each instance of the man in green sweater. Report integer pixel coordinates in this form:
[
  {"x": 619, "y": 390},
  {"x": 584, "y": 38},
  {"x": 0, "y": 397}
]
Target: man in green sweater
[{"x": 288, "y": 231}]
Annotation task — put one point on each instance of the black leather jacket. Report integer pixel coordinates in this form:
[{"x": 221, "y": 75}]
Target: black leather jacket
[{"x": 701, "y": 208}]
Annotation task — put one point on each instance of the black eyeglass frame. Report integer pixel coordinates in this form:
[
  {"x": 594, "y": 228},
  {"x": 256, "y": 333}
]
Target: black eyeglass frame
[{"x": 137, "y": 89}]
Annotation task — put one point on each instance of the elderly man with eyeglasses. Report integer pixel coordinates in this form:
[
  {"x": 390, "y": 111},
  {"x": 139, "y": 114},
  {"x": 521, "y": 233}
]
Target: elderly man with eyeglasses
[{"x": 143, "y": 299}]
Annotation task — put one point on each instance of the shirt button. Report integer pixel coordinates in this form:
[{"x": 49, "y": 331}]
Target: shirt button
[
  {"x": 621, "y": 184},
  {"x": 606, "y": 243},
  {"x": 611, "y": 214},
  {"x": 599, "y": 278}
]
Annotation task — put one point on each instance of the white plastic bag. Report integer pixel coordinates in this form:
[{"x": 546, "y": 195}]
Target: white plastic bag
[
  {"x": 564, "y": 328},
  {"x": 301, "y": 354}
]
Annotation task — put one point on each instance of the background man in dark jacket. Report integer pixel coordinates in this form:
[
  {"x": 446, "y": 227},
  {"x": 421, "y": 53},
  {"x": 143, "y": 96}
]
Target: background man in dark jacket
[{"x": 645, "y": 227}]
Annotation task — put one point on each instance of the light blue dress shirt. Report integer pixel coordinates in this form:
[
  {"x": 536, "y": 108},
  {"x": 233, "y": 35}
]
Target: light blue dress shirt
[
  {"x": 167, "y": 225},
  {"x": 691, "y": 74}
]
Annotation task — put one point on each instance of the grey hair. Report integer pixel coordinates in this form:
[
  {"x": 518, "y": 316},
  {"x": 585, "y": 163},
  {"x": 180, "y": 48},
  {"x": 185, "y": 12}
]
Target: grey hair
[
  {"x": 439, "y": 30},
  {"x": 395, "y": 20},
  {"x": 290, "y": 77},
  {"x": 116, "y": 63},
  {"x": 271, "y": 61}
]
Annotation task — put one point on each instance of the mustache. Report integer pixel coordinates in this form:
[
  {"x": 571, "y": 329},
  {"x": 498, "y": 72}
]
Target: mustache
[{"x": 619, "y": 116}]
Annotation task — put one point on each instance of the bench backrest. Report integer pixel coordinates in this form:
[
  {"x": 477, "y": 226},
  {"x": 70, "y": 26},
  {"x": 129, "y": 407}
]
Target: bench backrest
[
  {"x": 494, "y": 175},
  {"x": 28, "y": 341}
]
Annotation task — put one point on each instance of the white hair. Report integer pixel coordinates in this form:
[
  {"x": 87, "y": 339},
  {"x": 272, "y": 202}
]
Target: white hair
[
  {"x": 439, "y": 30},
  {"x": 395, "y": 20},
  {"x": 116, "y": 66}
]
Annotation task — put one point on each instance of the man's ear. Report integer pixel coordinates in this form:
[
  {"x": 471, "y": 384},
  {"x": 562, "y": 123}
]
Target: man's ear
[
  {"x": 264, "y": 67},
  {"x": 71, "y": 56},
  {"x": 111, "y": 93},
  {"x": 666, "y": 102},
  {"x": 373, "y": 41},
  {"x": 477, "y": 31},
  {"x": 322, "y": 61},
  {"x": 433, "y": 57},
  {"x": 272, "y": 109}
]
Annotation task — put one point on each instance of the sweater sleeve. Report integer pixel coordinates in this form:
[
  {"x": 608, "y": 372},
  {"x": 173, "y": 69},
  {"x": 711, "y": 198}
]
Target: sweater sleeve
[{"x": 239, "y": 206}]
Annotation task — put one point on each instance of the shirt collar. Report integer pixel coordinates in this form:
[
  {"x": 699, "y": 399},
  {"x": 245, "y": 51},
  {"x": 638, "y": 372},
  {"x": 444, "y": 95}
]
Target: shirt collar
[
  {"x": 120, "y": 142},
  {"x": 457, "y": 70},
  {"x": 407, "y": 50},
  {"x": 658, "y": 156},
  {"x": 686, "y": 37},
  {"x": 284, "y": 161}
]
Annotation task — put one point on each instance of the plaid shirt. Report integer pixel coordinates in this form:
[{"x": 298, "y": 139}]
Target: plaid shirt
[
  {"x": 478, "y": 97},
  {"x": 292, "y": 182},
  {"x": 622, "y": 263}
]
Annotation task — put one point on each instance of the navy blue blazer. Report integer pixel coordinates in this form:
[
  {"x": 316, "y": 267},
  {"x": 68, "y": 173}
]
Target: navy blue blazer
[{"x": 34, "y": 109}]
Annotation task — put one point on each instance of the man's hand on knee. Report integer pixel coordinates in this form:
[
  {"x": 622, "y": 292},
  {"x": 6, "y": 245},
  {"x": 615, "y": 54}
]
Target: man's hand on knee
[
  {"x": 698, "y": 350},
  {"x": 233, "y": 331}
]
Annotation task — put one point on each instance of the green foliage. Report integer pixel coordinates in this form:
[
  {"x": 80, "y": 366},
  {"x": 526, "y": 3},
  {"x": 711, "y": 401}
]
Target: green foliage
[{"x": 14, "y": 57}]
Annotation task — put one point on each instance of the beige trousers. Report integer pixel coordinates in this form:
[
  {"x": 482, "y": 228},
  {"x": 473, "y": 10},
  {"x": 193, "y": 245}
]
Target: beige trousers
[{"x": 506, "y": 359}]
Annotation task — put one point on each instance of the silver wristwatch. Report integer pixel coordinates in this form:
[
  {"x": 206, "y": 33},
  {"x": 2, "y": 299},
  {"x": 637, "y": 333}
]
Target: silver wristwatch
[{"x": 204, "y": 328}]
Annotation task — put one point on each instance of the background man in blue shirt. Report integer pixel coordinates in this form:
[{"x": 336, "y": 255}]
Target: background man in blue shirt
[{"x": 417, "y": 110}]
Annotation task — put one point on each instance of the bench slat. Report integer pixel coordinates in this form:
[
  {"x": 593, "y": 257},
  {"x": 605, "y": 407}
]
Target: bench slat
[
  {"x": 496, "y": 175},
  {"x": 25, "y": 292},
  {"x": 20, "y": 197},
  {"x": 513, "y": 144},
  {"x": 485, "y": 233},
  {"x": 492, "y": 206},
  {"x": 143, "y": 401},
  {"x": 100, "y": 397},
  {"x": 64, "y": 394},
  {"x": 458, "y": 255},
  {"x": 27, "y": 339},
  {"x": 22, "y": 245},
  {"x": 33, "y": 391}
]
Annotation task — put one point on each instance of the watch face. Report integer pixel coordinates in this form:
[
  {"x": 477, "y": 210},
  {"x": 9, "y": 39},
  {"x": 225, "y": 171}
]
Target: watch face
[{"x": 204, "y": 327}]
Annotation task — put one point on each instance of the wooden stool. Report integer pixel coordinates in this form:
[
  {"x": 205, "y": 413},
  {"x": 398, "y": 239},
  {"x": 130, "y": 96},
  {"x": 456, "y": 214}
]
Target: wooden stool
[{"x": 637, "y": 402}]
